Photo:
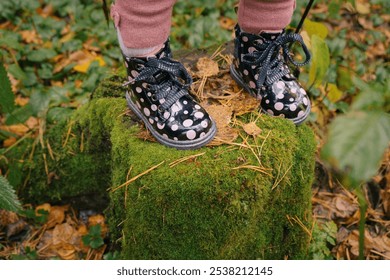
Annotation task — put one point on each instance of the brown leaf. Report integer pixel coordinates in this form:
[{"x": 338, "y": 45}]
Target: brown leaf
[
  {"x": 227, "y": 23},
  {"x": 243, "y": 103},
  {"x": 222, "y": 116},
  {"x": 21, "y": 101},
  {"x": 16, "y": 228},
  {"x": 18, "y": 129},
  {"x": 251, "y": 129},
  {"x": 362, "y": 8},
  {"x": 7, "y": 217},
  {"x": 45, "y": 207},
  {"x": 56, "y": 215},
  {"x": 9, "y": 142},
  {"x": 30, "y": 36},
  {"x": 206, "y": 67}
]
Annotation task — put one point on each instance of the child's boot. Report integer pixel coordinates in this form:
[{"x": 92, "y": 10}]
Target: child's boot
[
  {"x": 261, "y": 69},
  {"x": 158, "y": 93}
]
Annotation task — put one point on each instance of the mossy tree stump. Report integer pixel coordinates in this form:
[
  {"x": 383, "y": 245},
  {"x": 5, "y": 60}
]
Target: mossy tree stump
[{"x": 212, "y": 203}]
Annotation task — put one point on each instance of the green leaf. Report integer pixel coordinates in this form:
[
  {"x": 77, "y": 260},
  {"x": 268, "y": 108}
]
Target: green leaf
[
  {"x": 41, "y": 55},
  {"x": 8, "y": 198},
  {"x": 372, "y": 96},
  {"x": 16, "y": 71},
  {"x": 320, "y": 61},
  {"x": 19, "y": 115},
  {"x": 7, "y": 97},
  {"x": 58, "y": 114},
  {"x": 39, "y": 101},
  {"x": 93, "y": 238},
  {"x": 356, "y": 144}
]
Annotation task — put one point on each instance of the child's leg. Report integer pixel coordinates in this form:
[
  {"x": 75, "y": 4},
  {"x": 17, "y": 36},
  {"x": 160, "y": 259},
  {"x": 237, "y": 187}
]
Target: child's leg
[
  {"x": 142, "y": 26},
  {"x": 255, "y": 16}
]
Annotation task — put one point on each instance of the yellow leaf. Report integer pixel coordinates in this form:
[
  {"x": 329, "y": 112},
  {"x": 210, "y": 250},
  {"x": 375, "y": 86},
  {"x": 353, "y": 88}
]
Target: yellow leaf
[
  {"x": 316, "y": 28},
  {"x": 334, "y": 94},
  {"x": 83, "y": 67},
  {"x": 363, "y": 8}
]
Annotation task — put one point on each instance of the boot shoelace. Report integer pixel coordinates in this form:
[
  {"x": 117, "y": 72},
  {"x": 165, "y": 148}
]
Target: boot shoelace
[
  {"x": 167, "y": 73},
  {"x": 268, "y": 57}
]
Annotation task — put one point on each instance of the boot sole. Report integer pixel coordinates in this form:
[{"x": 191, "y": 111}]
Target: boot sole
[
  {"x": 180, "y": 145},
  {"x": 240, "y": 82}
]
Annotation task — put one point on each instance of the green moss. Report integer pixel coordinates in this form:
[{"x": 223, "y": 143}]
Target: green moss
[{"x": 205, "y": 207}]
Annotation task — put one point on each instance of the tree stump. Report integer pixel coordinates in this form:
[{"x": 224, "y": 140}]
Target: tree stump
[{"x": 244, "y": 199}]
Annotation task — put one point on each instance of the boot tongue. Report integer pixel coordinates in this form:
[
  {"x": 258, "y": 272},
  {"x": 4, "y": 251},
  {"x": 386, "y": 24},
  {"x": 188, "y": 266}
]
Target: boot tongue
[{"x": 270, "y": 36}]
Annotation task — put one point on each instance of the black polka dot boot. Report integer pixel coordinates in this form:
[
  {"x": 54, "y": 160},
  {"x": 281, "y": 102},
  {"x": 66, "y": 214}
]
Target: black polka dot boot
[
  {"x": 158, "y": 93},
  {"x": 261, "y": 69}
]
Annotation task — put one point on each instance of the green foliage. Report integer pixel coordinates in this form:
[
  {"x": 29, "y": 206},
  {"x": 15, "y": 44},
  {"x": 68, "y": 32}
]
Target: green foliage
[
  {"x": 29, "y": 254},
  {"x": 358, "y": 140},
  {"x": 34, "y": 63},
  {"x": 323, "y": 238},
  {"x": 40, "y": 217},
  {"x": 196, "y": 23},
  {"x": 112, "y": 256},
  {"x": 93, "y": 239},
  {"x": 356, "y": 144},
  {"x": 8, "y": 198},
  {"x": 6, "y": 94}
]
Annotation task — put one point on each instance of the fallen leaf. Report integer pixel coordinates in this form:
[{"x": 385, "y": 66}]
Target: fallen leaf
[
  {"x": 98, "y": 220},
  {"x": 227, "y": 23},
  {"x": 9, "y": 142},
  {"x": 7, "y": 217},
  {"x": 18, "y": 129},
  {"x": 362, "y": 8},
  {"x": 45, "y": 206},
  {"x": 21, "y": 101},
  {"x": 222, "y": 116},
  {"x": 16, "y": 228},
  {"x": 30, "y": 36},
  {"x": 251, "y": 129},
  {"x": 206, "y": 67},
  {"x": 56, "y": 215},
  {"x": 83, "y": 66},
  {"x": 243, "y": 103}
]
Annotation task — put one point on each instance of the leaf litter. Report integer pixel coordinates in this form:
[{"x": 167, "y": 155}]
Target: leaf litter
[{"x": 59, "y": 237}]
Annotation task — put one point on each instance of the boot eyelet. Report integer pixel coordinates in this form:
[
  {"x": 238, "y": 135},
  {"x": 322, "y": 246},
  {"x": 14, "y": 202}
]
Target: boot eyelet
[{"x": 153, "y": 97}]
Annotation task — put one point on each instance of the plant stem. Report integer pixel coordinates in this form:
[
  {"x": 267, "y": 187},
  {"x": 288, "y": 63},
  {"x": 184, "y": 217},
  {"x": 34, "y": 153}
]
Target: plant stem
[{"x": 363, "y": 208}]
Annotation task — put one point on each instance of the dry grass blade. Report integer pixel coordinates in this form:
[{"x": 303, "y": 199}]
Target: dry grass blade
[
  {"x": 277, "y": 181},
  {"x": 180, "y": 160},
  {"x": 138, "y": 176},
  {"x": 296, "y": 220},
  {"x": 68, "y": 134},
  {"x": 254, "y": 168}
]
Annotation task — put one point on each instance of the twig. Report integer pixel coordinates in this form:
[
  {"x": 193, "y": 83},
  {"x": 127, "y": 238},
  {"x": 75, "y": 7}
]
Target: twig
[
  {"x": 180, "y": 160},
  {"x": 253, "y": 167},
  {"x": 280, "y": 180},
  {"x": 138, "y": 176},
  {"x": 68, "y": 134}
]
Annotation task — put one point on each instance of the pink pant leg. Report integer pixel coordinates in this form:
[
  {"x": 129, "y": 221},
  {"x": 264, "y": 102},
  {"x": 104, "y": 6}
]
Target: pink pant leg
[
  {"x": 255, "y": 16},
  {"x": 143, "y": 24}
]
